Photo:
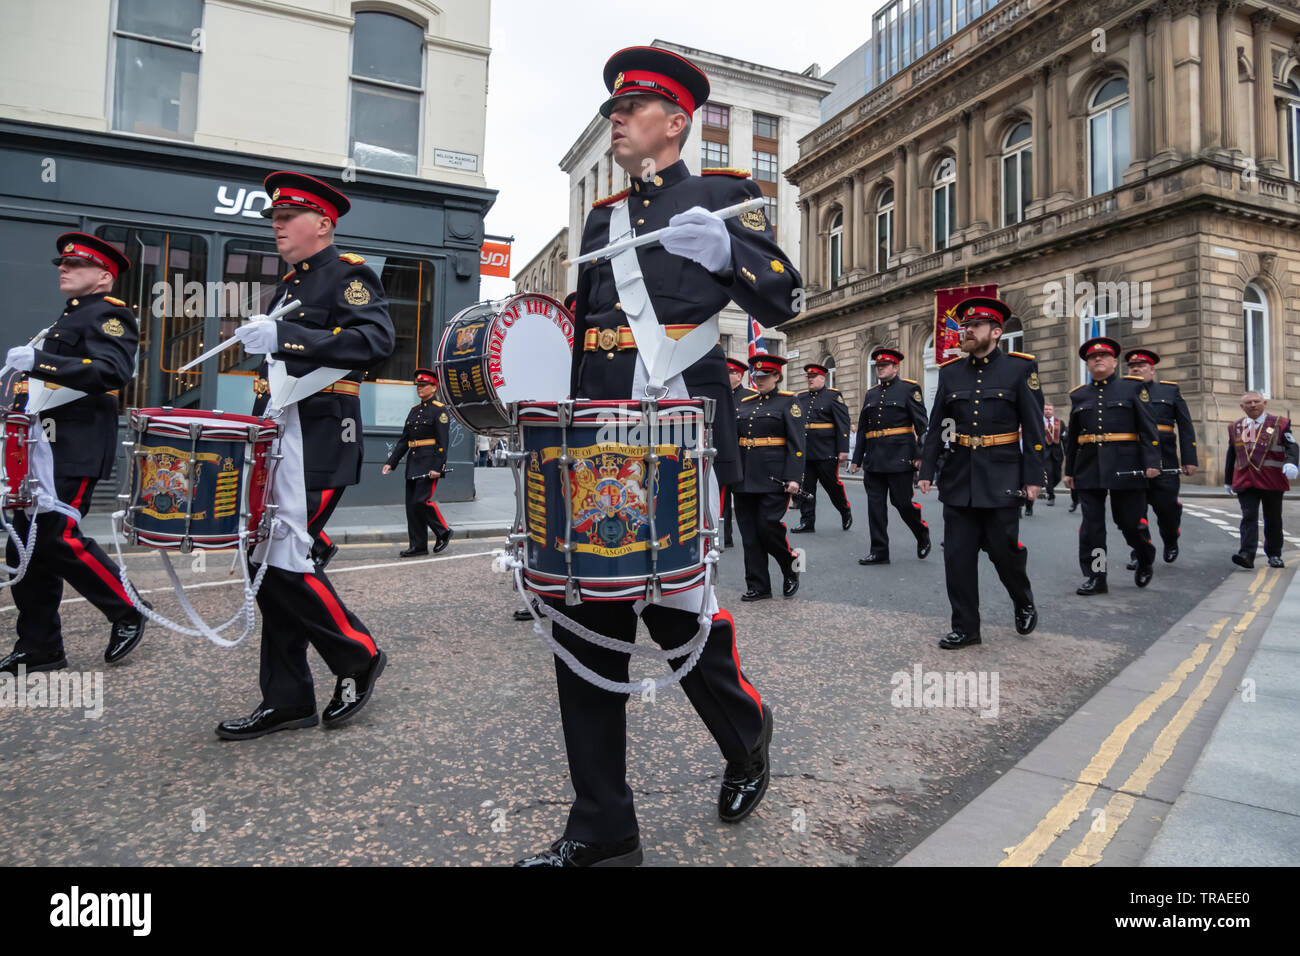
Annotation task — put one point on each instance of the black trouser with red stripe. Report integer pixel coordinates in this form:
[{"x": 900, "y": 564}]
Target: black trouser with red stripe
[
  {"x": 896, "y": 486},
  {"x": 595, "y": 721},
  {"x": 763, "y": 533},
  {"x": 1162, "y": 496},
  {"x": 826, "y": 473},
  {"x": 995, "y": 531},
  {"x": 62, "y": 553},
  {"x": 320, "y": 506},
  {"x": 422, "y": 512},
  {"x": 300, "y": 609}
]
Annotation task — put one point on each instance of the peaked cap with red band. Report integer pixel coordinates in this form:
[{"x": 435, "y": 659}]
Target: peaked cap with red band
[
  {"x": 736, "y": 365},
  {"x": 426, "y": 376},
  {"x": 812, "y": 368},
  {"x": 1141, "y": 355},
  {"x": 886, "y": 354},
  {"x": 294, "y": 190},
  {"x": 763, "y": 364},
  {"x": 647, "y": 69},
  {"x": 1101, "y": 345},
  {"x": 80, "y": 247},
  {"x": 982, "y": 308},
  {"x": 571, "y": 303}
]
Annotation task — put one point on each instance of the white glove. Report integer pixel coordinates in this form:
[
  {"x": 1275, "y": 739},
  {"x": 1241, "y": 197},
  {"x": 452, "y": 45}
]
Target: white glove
[
  {"x": 1290, "y": 471},
  {"x": 257, "y": 335},
  {"x": 1228, "y": 489},
  {"x": 699, "y": 235},
  {"x": 22, "y": 358}
]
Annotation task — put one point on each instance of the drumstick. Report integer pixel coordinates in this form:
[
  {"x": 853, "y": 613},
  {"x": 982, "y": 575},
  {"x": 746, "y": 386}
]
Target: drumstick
[
  {"x": 730, "y": 212},
  {"x": 216, "y": 350}
]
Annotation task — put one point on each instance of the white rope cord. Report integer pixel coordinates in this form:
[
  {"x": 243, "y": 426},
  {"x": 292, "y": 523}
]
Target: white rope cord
[{"x": 692, "y": 649}]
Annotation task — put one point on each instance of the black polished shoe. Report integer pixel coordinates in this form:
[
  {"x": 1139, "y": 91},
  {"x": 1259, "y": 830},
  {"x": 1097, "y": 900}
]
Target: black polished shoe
[
  {"x": 523, "y": 614},
  {"x": 846, "y": 520},
  {"x": 125, "y": 635},
  {"x": 727, "y": 542},
  {"x": 756, "y": 595},
  {"x": 1051, "y": 502},
  {"x": 1074, "y": 506},
  {"x": 923, "y": 546},
  {"x": 339, "y": 710},
  {"x": 413, "y": 553},
  {"x": 266, "y": 720},
  {"x": 790, "y": 584},
  {"x": 32, "y": 661},
  {"x": 874, "y": 558},
  {"x": 1094, "y": 585},
  {"x": 442, "y": 541},
  {"x": 323, "y": 559},
  {"x": 955, "y": 639},
  {"x": 1132, "y": 561},
  {"x": 1029, "y": 509},
  {"x": 804, "y": 529},
  {"x": 1275, "y": 561},
  {"x": 1171, "y": 554},
  {"x": 1026, "y": 619},
  {"x": 1142, "y": 576},
  {"x": 745, "y": 781},
  {"x": 1243, "y": 561},
  {"x": 566, "y": 852}
]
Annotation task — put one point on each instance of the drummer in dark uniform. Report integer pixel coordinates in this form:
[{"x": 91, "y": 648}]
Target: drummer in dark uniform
[
  {"x": 91, "y": 348},
  {"x": 701, "y": 263},
  {"x": 426, "y": 436},
  {"x": 343, "y": 323},
  {"x": 826, "y": 419},
  {"x": 736, "y": 371},
  {"x": 772, "y": 442},
  {"x": 890, "y": 431},
  {"x": 1112, "y": 446},
  {"x": 1177, "y": 449},
  {"x": 989, "y": 409}
]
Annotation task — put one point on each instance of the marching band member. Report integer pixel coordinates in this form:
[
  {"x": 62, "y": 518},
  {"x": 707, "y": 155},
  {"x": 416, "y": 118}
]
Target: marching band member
[
  {"x": 659, "y": 292},
  {"x": 1261, "y": 464},
  {"x": 826, "y": 424},
  {"x": 736, "y": 370},
  {"x": 426, "y": 435},
  {"x": 772, "y": 441},
  {"x": 91, "y": 348},
  {"x": 343, "y": 323}
]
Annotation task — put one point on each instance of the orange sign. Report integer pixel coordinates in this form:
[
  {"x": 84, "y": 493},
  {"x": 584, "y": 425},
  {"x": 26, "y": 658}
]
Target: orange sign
[{"x": 494, "y": 259}]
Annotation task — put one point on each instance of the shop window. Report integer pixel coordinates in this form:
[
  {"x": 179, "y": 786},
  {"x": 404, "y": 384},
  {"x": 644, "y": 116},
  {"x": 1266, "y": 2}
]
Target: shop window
[{"x": 157, "y": 45}]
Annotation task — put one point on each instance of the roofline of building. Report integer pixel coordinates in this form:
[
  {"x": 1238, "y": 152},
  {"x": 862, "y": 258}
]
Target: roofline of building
[{"x": 540, "y": 252}]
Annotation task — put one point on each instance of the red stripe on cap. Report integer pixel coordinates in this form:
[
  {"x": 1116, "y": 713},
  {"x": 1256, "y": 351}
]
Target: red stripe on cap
[
  {"x": 1102, "y": 347},
  {"x": 293, "y": 196},
  {"x": 85, "y": 252},
  {"x": 684, "y": 98}
]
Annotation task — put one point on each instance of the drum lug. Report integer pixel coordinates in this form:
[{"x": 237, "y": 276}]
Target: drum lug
[
  {"x": 253, "y": 434},
  {"x": 654, "y": 593},
  {"x": 187, "y": 544},
  {"x": 564, "y": 414},
  {"x": 572, "y": 593}
]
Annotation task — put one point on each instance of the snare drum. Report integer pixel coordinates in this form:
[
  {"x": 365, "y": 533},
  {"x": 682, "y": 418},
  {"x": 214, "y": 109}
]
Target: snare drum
[
  {"x": 16, "y": 491},
  {"x": 197, "y": 478},
  {"x": 511, "y": 350},
  {"x": 613, "y": 497}
]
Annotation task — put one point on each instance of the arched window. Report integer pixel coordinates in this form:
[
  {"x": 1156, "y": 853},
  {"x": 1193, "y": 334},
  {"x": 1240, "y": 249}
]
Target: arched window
[
  {"x": 1254, "y": 307},
  {"x": 829, "y": 362},
  {"x": 1293, "y": 127},
  {"x": 869, "y": 378},
  {"x": 1108, "y": 145},
  {"x": 1017, "y": 173},
  {"x": 836, "y": 258},
  {"x": 945, "y": 202},
  {"x": 387, "y": 90},
  {"x": 1013, "y": 336},
  {"x": 884, "y": 228}
]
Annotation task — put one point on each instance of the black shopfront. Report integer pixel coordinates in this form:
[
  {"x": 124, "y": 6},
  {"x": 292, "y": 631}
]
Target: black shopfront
[{"x": 189, "y": 219}]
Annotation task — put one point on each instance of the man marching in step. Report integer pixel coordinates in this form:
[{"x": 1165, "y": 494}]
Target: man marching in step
[
  {"x": 1261, "y": 464},
  {"x": 90, "y": 348},
  {"x": 1171, "y": 416},
  {"x": 343, "y": 324},
  {"x": 1053, "y": 449},
  {"x": 426, "y": 435},
  {"x": 772, "y": 460},
  {"x": 989, "y": 409},
  {"x": 736, "y": 370},
  {"x": 891, "y": 428},
  {"x": 826, "y": 419},
  {"x": 663, "y": 291},
  {"x": 1112, "y": 446}
]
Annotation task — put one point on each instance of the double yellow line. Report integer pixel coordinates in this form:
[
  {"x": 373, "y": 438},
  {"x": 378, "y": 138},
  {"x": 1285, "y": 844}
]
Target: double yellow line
[{"x": 1059, "y": 819}]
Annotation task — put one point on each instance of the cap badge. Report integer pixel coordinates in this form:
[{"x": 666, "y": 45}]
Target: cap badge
[
  {"x": 275, "y": 195},
  {"x": 69, "y": 247},
  {"x": 618, "y": 82}
]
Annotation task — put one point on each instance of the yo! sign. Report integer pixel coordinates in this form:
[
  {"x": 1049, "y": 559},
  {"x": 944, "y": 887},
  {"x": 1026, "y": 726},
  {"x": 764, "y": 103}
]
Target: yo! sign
[{"x": 494, "y": 259}]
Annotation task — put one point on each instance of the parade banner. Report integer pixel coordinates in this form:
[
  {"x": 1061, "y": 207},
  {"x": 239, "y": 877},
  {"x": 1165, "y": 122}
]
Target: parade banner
[{"x": 946, "y": 333}]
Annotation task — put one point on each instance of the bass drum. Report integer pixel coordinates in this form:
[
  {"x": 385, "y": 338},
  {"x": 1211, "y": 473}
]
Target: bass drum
[{"x": 502, "y": 351}]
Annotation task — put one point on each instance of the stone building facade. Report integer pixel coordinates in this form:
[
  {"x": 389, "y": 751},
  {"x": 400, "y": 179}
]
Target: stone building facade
[
  {"x": 546, "y": 272},
  {"x": 1118, "y": 167}
]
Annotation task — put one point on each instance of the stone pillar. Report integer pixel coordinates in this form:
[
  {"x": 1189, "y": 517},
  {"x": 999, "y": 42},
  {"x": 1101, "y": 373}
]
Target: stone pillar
[
  {"x": 849, "y": 237},
  {"x": 1139, "y": 111},
  {"x": 1281, "y": 103},
  {"x": 1261, "y": 23},
  {"x": 817, "y": 246},
  {"x": 861, "y": 232},
  {"x": 901, "y": 202},
  {"x": 1228, "y": 76},
  {"x": 914, "y": 204},
  {"x": 1165, "y": 107},
  {"x": 1211, "y": 111},
  {"x": 978, "y": 170},
  {"x": 1062, "y": 156},
  {"x": 805, "y": 244},
  {"x": 962, "y": 219},
  {"x": 1043, "y": 153}
]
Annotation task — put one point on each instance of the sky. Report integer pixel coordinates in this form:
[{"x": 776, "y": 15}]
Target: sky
[{"x": 544, "y": 84}]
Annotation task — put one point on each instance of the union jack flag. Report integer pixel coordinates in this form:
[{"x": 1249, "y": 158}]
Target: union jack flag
[{"x": 757, "y": 344}]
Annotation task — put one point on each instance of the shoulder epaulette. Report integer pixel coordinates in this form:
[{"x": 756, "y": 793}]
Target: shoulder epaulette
[
  {"x": 785, "y": 393},
  {"x": 1167, "y": 382},
  {"x": 1023, "y": 355},
  {"x": 955, "y": 358},
  {"x": 112, "y": 301},
  {"x": 750, "y": 398},
  {"x": 1077, "y": 387},
  {"x": 288, "y": 275},
  {"x": 797, "y": 394},
  {"x": 725, "y": 171},
  {"x": 352, "y": 258},
  {"x": 835, "y": 390},
  {"x": 911, "y": 381},
  {"x": 437, "y": 404},
  {"x": 1133, "y": 378},
  {"x": 611, "y": 199}
]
